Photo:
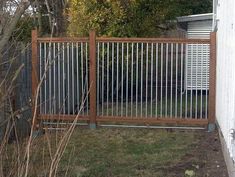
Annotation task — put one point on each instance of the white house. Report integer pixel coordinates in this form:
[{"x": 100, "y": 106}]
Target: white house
[{"x": 224, "y": 25}]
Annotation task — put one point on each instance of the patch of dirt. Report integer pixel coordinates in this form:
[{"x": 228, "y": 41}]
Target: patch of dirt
[{"x": 205, "y": 159}]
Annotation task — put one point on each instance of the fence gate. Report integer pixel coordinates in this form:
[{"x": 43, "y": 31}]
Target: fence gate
[{"x": 134, "y": 80}]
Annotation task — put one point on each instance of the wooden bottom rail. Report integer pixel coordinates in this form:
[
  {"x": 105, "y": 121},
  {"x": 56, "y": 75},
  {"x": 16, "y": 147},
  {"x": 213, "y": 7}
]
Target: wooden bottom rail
[
  {"x": 178, "y": 121},
  {"x": 118, "y": 119},
  {"x": 62, "y": 117}
]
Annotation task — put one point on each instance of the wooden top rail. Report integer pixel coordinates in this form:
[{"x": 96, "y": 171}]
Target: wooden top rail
[
  {"x": 112, "y": 39},
  {"x": 63, "y": 39},
  {"x": 156, "y": 40}
]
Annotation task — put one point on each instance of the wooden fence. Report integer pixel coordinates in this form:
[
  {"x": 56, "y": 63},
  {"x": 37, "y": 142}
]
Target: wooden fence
[{"x": 132, "y": 80}]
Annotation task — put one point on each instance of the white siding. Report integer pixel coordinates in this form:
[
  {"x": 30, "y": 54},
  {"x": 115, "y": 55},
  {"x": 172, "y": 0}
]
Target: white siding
[
  {"x": 199, "y": 29},
  {"x": 198, "y": 55},
  {"x": 225, "y": 89}
]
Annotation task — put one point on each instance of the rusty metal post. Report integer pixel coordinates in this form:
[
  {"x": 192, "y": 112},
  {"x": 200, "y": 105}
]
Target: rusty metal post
[
  {"x": 34, "y": 74},
  {"x": 92, "y": 52},
  {"x": 212, "y": 82}
]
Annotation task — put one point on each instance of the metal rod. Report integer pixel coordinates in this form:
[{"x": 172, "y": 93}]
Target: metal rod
[
  {"x": 82, "y": 79},
  {"x": 176, "y": 84},
  {"x": 63, "y": 83},
  {"x": 191, "y": 79},
  {"x": 98, "y": 78},
  {"x": 132, "y": 67},
  {"x": 151, "y": 87},
  {"x": 181, "y": 78},
  {"x": 137, "y": 73},
  {"x": 77, "y": 81},
  {"x": 141, "y": 80},
  {"x": 129, "y": 126},
  {"x": 102, "y": 79},
  {"x": 167, "y": 50},
  {"x": 45, "y": 80},
  {"x": 87, "y": 81},
  {"x": 122, "y": 79},
  {"x": 50, "y": 76},
  {"x": 196, "y": 82},
  {"x": 40, "y": 75},
  {"x": 107, "y": 107},
  {"x": 117, "y": 79},
  {"x": 112, "y": 75},
  {"x": 156, "y": 106},
  {"x": 68, "y": 77},
  {"x": 127, "y": 66},
  {"x": 207, "y": 80},
  {"x": 73, "y": 96},
  {"x": 54, "y": 75},
  {"x": 202, "y": 64},
  {"x": 64, "y": 123},
  {"x": 172, "y": 50},
  {"x": 161, "y": 78},
  {"x": 186, "y": 81},
  {"x": 146, "y": 99}
]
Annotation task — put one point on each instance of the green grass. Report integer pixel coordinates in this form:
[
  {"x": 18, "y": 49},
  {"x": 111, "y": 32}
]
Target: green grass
[
  {"x": 119, "y": 152},
  {"x": 166, "y": 108}
]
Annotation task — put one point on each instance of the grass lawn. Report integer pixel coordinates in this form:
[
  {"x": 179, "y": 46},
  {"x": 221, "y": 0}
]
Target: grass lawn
[
  {"x": 124, "y": 152},
  {"x": 164, "y": 108}
]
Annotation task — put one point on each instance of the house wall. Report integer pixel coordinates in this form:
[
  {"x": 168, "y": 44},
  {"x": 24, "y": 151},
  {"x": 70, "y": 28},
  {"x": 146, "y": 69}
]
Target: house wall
[
  {"x": 199, "y": 29},
  {"x": 197, "y": 77},
  {"x": 225, "y": 86}
]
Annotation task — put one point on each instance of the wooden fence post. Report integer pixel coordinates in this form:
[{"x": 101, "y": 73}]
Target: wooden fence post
[
  {"x": 212, "y": 82},
  {"x": 34, "y": 74},
  {"x": 92, "y": 72}
]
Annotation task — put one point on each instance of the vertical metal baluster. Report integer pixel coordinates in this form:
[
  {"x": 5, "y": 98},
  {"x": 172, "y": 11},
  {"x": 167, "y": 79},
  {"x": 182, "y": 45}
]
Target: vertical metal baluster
[
  {"x": 167, "y": 50},
  {"x": 68, "y": 72},
  {"x": 196, "y": 82},
  {"x": 59, "y": 78},
  {"x": 98, "y": 78},
  {"x": 102, "y": 78},
  {"x": 202, "y": 64},
  {"x": 181, "y": 78},
  {"x": 132, "y": 64},
  {"x": 156, "y": 106},
  {"x": 207, "y": 74},
  {"x": 141, "y": 80},
  {"x": 117, "y": 79},
  {"x": 78, "y": 90},
  {"x": 50, "y": 76},
  {"x": 63, "y": 83},
  {"x": 151, "y": 87},
  {"x": 176, "y": 84},
  {"x": 146, "y": 99},
  {"x": 191, "y": 93},
  {"x": 137, "y": 68},
  {"x": 45, "y": 80},
  {"x": 186, "y": 81},
  {"x": 172, "y": 50},
  {"x": 82, "y": 80},
  {"x": 127, "y": 66},
  {"x": 122, "y": 80},
  {"x": 54, "y": 89},
  {"x": 40, "y": 75},
  {"x": 112, "y": 74},
  {"x": 73, "y": 96},
  {"x": 161, "y": 78},
  {"x": 107, "y": 79},
  {"x": 87, "y": 84}
]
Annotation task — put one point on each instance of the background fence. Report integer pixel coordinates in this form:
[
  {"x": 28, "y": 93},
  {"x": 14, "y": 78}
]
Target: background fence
[
  {"x": 152, "y": 80},
  {"x": 15, "y": 56}
]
